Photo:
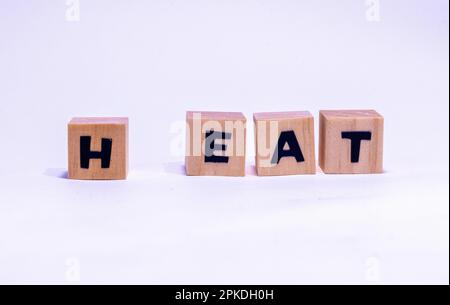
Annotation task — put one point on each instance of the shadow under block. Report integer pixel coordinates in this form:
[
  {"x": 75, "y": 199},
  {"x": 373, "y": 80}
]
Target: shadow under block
[
  {"x": 215, "y": 143},
  {"x": 351, "y": 142},
  {"x": 98, "y": 148},
  {"x": 284, "y": 143}
]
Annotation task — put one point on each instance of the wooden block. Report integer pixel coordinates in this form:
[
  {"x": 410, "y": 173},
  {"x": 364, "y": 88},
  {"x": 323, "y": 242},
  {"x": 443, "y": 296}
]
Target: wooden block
[
  {"x": 284, "y": 143},
  {"x": 215, "y": 143},
  {"x": 351, "y": 142},
  {"x": 98, "y": 148}
]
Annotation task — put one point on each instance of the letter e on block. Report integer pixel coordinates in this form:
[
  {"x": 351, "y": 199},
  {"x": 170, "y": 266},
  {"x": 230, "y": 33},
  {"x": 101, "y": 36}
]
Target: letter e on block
[
  {"x": 215, "y": 143},
  {"x": 98, "y": 148},
  {"x": 351, "y": 142}
]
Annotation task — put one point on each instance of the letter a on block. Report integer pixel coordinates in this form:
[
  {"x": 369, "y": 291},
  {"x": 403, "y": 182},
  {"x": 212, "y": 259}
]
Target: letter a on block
[
  {"x": 284, "y": 143},
  {"x": 98, "y": 148},
  {"x": 351, "y": 142},
  {"x": 215, "y": 143}
]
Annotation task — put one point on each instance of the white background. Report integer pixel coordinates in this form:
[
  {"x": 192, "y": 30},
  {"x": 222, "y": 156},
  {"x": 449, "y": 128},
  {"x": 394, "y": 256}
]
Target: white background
[{"x": 152, "y": 61}]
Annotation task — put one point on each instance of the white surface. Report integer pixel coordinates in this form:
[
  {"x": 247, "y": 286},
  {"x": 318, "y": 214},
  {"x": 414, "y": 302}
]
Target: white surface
[{"x": 152, "y": 62}]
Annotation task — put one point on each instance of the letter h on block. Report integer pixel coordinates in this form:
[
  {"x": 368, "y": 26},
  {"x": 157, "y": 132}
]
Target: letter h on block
[
  {"x": 215, "y": 143},
  {"x": 351, "y": 142},
  {"x": 98, "y": 148}
]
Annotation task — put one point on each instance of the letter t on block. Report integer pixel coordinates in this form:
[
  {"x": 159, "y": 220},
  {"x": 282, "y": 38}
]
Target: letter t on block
[
  {"x": 98, "y": 148},
  {"x": 215, "y": 143},
  {"x": 351, "y": 142}
]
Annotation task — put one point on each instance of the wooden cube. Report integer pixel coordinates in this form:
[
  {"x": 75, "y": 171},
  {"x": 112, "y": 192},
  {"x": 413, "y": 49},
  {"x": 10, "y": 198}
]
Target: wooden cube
[
  {"x": 351, "y": 142},
  {"x": 284, "y": 143},
  {"x": 215, "y": 143},
  {"x": 98, "y": 148}
]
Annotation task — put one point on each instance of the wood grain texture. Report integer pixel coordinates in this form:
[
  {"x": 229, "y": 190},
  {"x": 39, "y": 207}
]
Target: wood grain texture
[
  {"x": 115, "y": 129},
  {"x": 268, "y": 128},
  {"x": 197, "y": 125},
  {"x": 335, "y": 151}
]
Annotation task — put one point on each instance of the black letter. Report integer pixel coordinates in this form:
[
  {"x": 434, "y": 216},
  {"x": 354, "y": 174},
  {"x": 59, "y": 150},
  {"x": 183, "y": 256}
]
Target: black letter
[
  {"x": 211, "y": 137},
  {"x": 86, "y": 154},
  {"x": 356, "y": 137},
  {"x": 294, "y": 148}
]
